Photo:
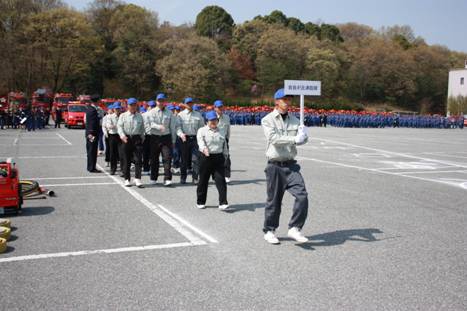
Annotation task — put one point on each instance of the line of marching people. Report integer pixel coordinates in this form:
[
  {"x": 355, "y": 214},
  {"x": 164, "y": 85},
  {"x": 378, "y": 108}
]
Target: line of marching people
[{"x": 185, "y": 140}]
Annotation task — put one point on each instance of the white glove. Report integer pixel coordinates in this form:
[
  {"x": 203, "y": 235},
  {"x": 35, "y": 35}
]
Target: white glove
[
  {"x": 302, "y": 130},
  {"x": 300, "y": 138}
]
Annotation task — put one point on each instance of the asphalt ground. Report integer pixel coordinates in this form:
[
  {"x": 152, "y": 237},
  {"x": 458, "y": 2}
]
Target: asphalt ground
[{"x": 387, "y": 224}]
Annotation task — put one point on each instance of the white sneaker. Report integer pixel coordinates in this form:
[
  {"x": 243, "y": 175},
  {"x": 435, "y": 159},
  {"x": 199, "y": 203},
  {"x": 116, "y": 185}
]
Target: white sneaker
[
  {"x": 270, "y": 237},
  {"x": 295, "y": 234},
  {"x": 200, "y": 206},
  {"x": 223, "y": 207},
  {"x": 127, "y": 183},
  {"x": 153, "y": 182},
  {"x": 227, "y": 180},
  {"x": 138, "y": 183},
  {"x": 167, "y": 183}
]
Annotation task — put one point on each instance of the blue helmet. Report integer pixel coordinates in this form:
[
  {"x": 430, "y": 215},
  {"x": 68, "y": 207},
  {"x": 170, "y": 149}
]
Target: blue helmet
[
  {"x": 161, "y": 96},
  {"x": 132, "y": 101},
  {"x": 211, "y": 115}
]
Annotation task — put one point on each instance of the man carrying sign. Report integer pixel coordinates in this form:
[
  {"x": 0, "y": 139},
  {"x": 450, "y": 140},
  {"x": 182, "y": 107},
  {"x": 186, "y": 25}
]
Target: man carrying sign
[{"x": 283, "y": 133}]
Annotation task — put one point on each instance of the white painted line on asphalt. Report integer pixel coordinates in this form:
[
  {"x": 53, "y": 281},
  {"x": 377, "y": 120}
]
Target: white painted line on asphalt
[
  {"x": 52, "y": 157},
  {"x": 395, "y": 153},
  {"x": 68, "y": 142},
  {"x": 445, "y": 155},
  {"x": 100, "y": 251},
  {"x": 174, "y": 222},
  {"x": 82, "y": 184},
  {"x": 45, "y": 145},
  {"x": 56, "y": 178},
  {"x": 15, "y": 142},
  {"x": 432, "y": 172},
  {"x": 457, "y": 185}
]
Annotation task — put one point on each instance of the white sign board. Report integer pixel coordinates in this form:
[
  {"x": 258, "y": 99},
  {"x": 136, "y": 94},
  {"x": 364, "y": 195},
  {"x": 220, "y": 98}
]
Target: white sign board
[{"x": 301, "y": 87}]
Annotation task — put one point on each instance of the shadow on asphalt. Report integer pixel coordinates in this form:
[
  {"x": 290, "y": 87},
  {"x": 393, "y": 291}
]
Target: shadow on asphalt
[
  {"x": 340, "y": 237},
  {"x": 37, "y": 211},
  {"x": 245, "y": 207}
]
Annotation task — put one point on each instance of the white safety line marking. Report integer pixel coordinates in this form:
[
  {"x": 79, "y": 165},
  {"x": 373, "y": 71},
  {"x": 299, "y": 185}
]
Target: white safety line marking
[
  {"x": 432, "y": 172},
  {"x": 457, "y": 185},
  {"x": 100, "y": 251},
  {"x": 15, "y": 142},
  {"x": 82, "y": 184},
  {"x": 52, "y": 157},
  {"x": 174, "y": 221},
  {"x": 445, "y": 155},
  {"x": 76, "y": 177},
  {"x": 395, "y": 153},
  {"x": 68, "y": 142},
  {"x": 44, "y": 145}
]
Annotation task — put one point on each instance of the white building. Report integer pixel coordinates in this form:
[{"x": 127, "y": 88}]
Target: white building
[{"x": 457, "y": 83}]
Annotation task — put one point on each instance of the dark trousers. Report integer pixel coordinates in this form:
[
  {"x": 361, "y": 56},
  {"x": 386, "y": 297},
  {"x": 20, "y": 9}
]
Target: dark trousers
[
  {"x": 57, "y": 123},
  {"x": 161, "y": 144},
  {"x": 146, "y": 153},
  {"x": 227, "y": 163},
  {"x": 132, "y": 151},
  {"x": 176, "y": 154},
  {"x": 91, "y": 150},
  {"x": 212, "y": 165},
  {"x": 107, "y": 149},
  {"x": 281, "y": 178},
  {"x": 114, "y": 150},
  {"x": 101, "y": 140},
  {"x": 190, "y": 155}
]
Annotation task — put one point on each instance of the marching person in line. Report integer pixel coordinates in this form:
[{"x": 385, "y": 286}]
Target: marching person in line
[
  {"x": 190, "y": 122},
  {"x": 177, "y": 149},
  {"x": 213, "y": 151},
  {"x": 131, "y": 131},
  {"x": 106, "y": 135},
  {"x": 147, "y": 136},
  {"x": 164, "y": 129},
  {"x": 92, "y": 121},
  {"x": 224, "y": 126},
  {"x": 283, "y": 133},
  {"x": 114, "y": 139}
]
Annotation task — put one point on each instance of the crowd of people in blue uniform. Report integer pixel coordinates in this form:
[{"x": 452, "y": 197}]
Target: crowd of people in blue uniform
[{"x": 29, "y": 119}]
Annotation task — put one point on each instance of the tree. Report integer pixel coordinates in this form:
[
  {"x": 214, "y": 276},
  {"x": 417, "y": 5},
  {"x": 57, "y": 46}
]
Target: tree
[
  {"x": 62, "y": 49},
  {"x": 281, "y": 55},
  {"x": 295, "y": 24},
  {"x": 214, "y": 22},
  {"x": 313, "y": 30},
  {"x": 330, "y": 32},
  {"x": 323, "y": 65},
  {"x": 354, "y": 31},
  {"x": 134, "y": 33},
  {"x": 193, "y": 67}
]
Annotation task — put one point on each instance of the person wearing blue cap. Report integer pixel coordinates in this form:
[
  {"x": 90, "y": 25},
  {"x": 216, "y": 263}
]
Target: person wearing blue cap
[
  {"x": 114, "y": 138},
  {"x": 189, "y": 122},
  {"x": 213, "y": 151},
  {"x": 224, "y": 127},
  {"x": 283, "y": 133},
  {"x": 147, "y": 138},
  {"x": 131, "y": 130},
  {"x": 164, "y": 128}
]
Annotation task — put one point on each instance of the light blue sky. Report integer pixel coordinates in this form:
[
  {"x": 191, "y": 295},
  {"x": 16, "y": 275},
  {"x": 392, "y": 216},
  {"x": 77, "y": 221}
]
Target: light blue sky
[{"x": 438, "y": 21}]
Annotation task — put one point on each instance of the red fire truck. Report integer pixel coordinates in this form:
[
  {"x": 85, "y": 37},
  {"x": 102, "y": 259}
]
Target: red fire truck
[
  {"x": 43, "y": 98},
  {"x": 61, "y": 101},
  {"x": 16, "y": 101}
]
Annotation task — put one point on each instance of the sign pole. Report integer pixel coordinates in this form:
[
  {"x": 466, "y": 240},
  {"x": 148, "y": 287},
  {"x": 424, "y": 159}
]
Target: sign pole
[{"x": 302, "y": 109}]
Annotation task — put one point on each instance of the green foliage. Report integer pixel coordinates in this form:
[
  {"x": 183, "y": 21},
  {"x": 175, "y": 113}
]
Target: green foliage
[
  {"x": 194, "y": 67},
  {"x": 457, "y": 105},
  {"x": 214, "y": 22}
]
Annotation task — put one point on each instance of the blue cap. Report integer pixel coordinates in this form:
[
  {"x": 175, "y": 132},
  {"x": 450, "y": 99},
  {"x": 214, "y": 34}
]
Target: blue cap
[
  {"x": 211, "y": 115},
  {"x": 116, "y": 105},
  {"x": 111, "y": 106},
  {"x": 279, "y": 94},
  {"x": 131, "y": 101},
  {"x": 177, "y": 107},
  {"x": 142, "y": 109},
  {"x": 170, "y": 107},
  {"x": 188, "y": 100},
  {"x": 161, "y": 96},
  {"x": 196, "y": 107},
  {"x": 218, "y": 103},
  {"x": 151, "y": 103}
]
